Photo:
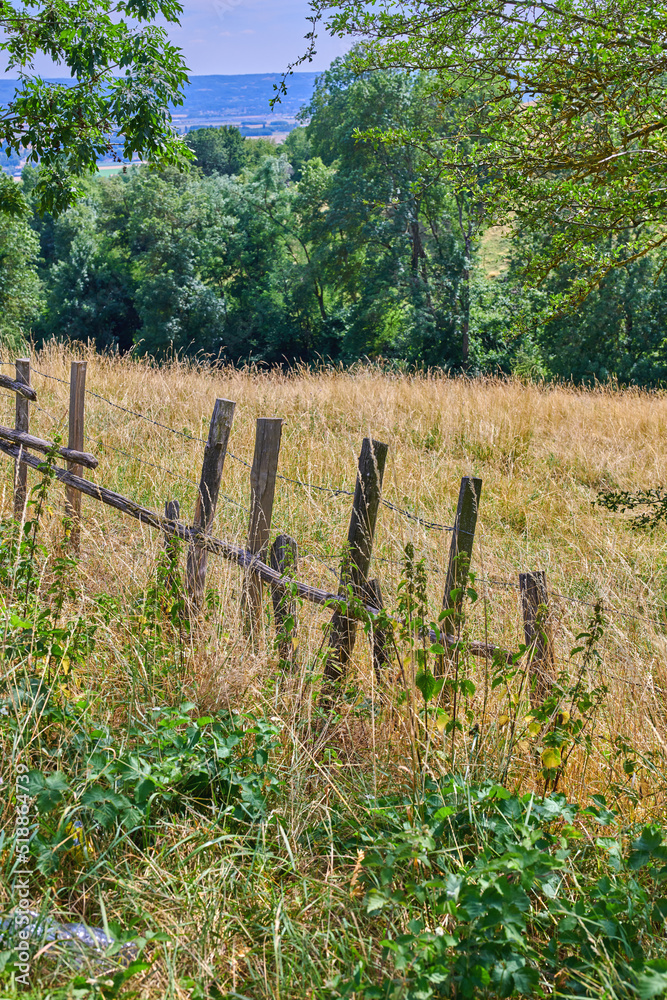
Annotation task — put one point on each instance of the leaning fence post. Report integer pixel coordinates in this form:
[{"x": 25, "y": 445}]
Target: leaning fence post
[
  {"x": 536, "y": 625},
  {"x": 77, "y": 401},
  {"x": 381, "y": 641},
  {"x": 207, "y": 499},
  {"x": 262, "y": 491},
  {"x": 22, "y": 423},
  {"x": 284, "y": 556},
  {"x": 172, "y": 511},
  {"x": 357, "y": 557},
  {"x": 460, "y": 554}
]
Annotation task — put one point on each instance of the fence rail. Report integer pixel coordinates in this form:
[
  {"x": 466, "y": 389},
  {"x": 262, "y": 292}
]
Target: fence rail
[{"x": 245, "y": 559}]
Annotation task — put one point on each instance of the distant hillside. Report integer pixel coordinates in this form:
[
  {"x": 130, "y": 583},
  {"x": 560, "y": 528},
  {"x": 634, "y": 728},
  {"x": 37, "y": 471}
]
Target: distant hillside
[
  {"x": 241, "y": 100},
  {"x": 229, "y": 96},
  {"x": 248, "y": 94}
]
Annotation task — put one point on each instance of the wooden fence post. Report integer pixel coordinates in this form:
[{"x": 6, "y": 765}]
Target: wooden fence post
[
  {"x": 357, "y": 557},
  {"x": 381, "y": 640},
  {"x": 460, "y": 554},
  {"x": 77, "y": 402},
  {"x": 172, "y": 511},
  {"x": 284, "y": 556},
  {"x": 207, "y": 499},
  {"x": 268, "y": 433},
  {"x": 536, "y": 625},
  {"x": 22, "y": 423}
]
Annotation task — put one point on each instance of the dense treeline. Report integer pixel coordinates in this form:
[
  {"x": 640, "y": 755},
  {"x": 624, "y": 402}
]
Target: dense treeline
[{"x": 325, "y": 247}]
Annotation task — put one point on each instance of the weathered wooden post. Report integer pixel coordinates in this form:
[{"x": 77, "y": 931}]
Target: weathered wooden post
[
  {"x": 460, "y": 554},
  {"x": 207, "y": 499},
  {"x": 357, "y": 558},
  {"x": 537, "y": 630},
  {"x": 77, "y": 402},
  {"x": 381, "y": 642},
  {"x": 284, "y": 557},
  {"x": 172, "y": 511},
  {"x": 268, "y": 433},
  {"x": 21, "y": 423}
]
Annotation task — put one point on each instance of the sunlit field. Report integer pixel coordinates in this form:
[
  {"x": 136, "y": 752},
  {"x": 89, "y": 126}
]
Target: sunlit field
[{"x": 275, "y": 922}]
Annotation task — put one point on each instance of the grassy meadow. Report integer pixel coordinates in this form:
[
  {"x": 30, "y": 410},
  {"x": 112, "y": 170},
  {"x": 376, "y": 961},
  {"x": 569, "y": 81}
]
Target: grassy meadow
[{"x": 273, "y": 900}]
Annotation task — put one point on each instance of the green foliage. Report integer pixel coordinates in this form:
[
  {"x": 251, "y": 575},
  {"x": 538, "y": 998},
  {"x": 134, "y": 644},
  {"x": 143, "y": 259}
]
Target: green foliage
[
  {"x": 110, "y": 986},
  {"x": 339, "y": 253},
  {"x": 89, "y": 282},
  {"x": 360, "y": 237},
  {"x": 111, "y": 792},
  {"x": 463, "y": 886},
  {"x": 219, "y": 150},
  {"x": 223, "y": 150},
  {"x": 99, "y": 794},
  {"x": 20, "y": 289},
  {"x": 392, "y": 245},
  {"x": 125, "y": 75},
  {"x": 616, "y": 332},
  {"x": 651, "y": 504},
  {"x": 561, "y": 163},
  {"x": 468, "y": 891},
  {"x": 298, "y": 150}
]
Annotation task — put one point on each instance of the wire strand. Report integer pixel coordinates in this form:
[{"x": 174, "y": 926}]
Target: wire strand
[
  {"x": 498, "y": 584},
  {"x": 330, "y": 490}
]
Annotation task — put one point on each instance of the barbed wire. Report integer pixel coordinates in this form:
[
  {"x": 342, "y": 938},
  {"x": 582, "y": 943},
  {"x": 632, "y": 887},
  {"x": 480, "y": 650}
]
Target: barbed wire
[
  {"x": 488, "y": 581},
  {"x": 508, "y": 585},
  {"x": 152, "y": 465},
  {"x": 330, "y": 490},
  {"x": 221, "y": 496},
  {"x": 49, "y": 415},
  {"x": 191, "y": 482},
  {"x": 161, "y": 468},
  {"x": 143, "y": 461},
  {"x": 54, "y": 378},
  {"x": 431, "y": 525},
  {"x": 176, "y": 475},
  {"x": 610, "y": 611}
]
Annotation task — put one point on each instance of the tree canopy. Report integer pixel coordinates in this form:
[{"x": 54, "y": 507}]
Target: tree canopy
[
  {"x": 323, "y": 247},
  {"x": 125, "y": 76},
  {"x": 218, "y": 150},
  {"x": 568, "y": 125}
]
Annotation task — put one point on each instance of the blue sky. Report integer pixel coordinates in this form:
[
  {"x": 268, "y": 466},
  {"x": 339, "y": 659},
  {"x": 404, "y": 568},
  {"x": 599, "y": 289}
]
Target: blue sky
[
  {"x": 240, "y": 36},
  {"x": 248, "y": 36}
]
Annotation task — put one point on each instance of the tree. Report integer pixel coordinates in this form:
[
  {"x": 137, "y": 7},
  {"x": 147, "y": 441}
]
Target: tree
[
  {"x": 298, "y": 150},
  {"x": 125, "y": 76},
  {"x": 20, "y": 289},
  {"x": 88, "y": 277},
  {"x": 174, "y": 230},
  {"x": 570, "y": 125},
  {"x": 389, "y": 224},
  {"x": 618, "y": 332},
  {"x": 218, "y": 150}
]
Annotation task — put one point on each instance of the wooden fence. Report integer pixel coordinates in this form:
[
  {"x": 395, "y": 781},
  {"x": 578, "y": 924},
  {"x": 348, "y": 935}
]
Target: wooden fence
[{"x": 276, "y": 565}]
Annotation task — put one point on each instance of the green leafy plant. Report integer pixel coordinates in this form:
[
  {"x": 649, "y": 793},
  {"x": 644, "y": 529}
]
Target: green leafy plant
[
  {"x": 472, "y": 894},
  {"x": 117, "y": 792}
]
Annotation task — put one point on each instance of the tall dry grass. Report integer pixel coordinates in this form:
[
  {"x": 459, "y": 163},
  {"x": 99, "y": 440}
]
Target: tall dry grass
[{"x": 542, "y": 453}]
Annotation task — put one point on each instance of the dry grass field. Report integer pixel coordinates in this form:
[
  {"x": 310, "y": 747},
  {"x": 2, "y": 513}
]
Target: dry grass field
[{"x": 543, "y": 452}]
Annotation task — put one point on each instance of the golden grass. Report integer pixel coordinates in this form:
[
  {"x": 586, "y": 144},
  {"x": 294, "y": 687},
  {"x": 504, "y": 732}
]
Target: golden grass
[
  {"x": 495, "y": 251},
  {"x": 542, "y": 453}
]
